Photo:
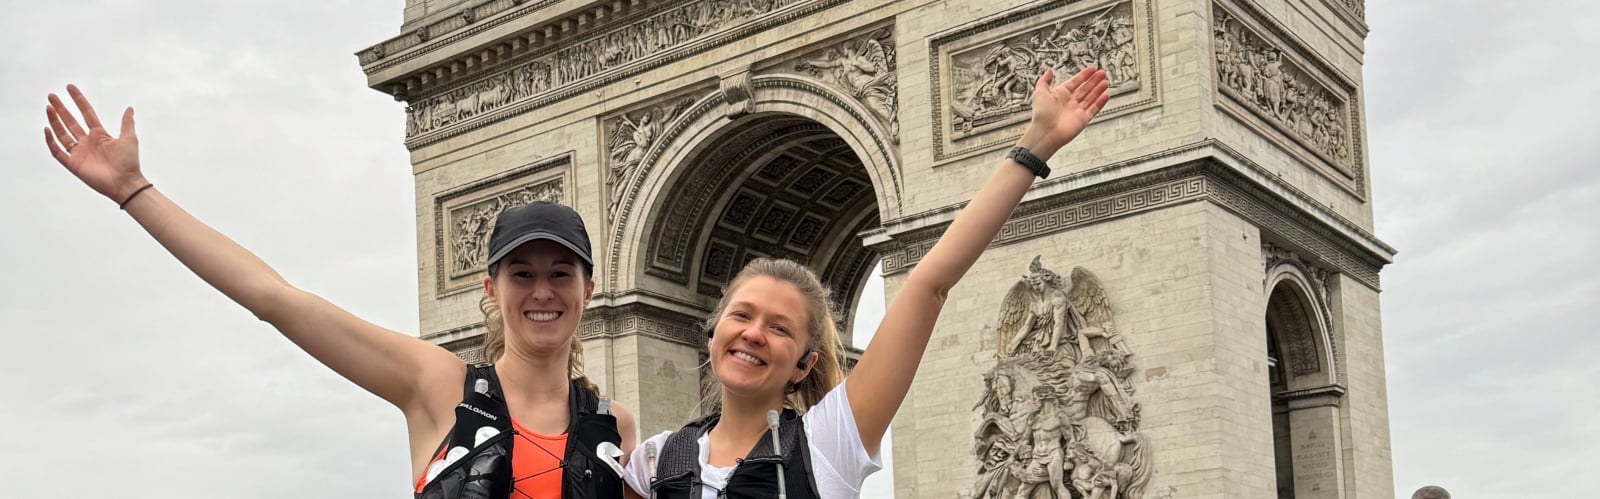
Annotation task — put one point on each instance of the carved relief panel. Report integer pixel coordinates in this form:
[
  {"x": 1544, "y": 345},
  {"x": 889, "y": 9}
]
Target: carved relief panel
[
  {"x": 983, "y": 74},
  {"x": 858, "y": 71},
  {"x": 482, "y": 96},
  {"x": 1057, "y": 416},
  {"x": 862, "y": 67},
  {"x": 1274, "y": 85},
  {"x": 464, "y": 217},
  {"x": 629, "y": 135}
]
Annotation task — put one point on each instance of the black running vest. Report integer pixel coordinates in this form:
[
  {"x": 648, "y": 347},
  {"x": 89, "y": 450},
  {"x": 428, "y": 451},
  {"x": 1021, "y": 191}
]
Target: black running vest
[
  {"x": 485, "y": 471},
  {"x": 754, "y": 477}
]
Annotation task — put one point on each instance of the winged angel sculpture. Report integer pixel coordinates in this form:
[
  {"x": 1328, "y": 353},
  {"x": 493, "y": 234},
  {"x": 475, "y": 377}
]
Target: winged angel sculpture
[
  {"x": 865, "y": 68},
  {"x": 1058, "y": 419},
  {"x": 631, "y": 137},
  {"x": 1045, "y": 313}
]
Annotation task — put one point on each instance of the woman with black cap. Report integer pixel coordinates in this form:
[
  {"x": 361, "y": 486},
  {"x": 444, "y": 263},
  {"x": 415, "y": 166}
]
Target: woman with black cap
[
  {"x": 527, "y": 426},
  {"x": 785, "y": 422}
]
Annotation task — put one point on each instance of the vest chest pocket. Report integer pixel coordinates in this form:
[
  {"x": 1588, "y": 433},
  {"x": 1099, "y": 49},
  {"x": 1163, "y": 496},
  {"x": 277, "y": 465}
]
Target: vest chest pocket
[{"x": 482, "y": 473}]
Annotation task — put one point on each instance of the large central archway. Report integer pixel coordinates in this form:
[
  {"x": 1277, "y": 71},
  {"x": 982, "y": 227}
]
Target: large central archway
[
  {"x": 782, "y": 166},
  {"x": 773, "y": 185},
  {"x": 774, "y": 165}
]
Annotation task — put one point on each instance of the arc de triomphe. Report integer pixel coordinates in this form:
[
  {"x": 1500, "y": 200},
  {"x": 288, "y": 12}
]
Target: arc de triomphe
[{"x": 1193, "y": 295}]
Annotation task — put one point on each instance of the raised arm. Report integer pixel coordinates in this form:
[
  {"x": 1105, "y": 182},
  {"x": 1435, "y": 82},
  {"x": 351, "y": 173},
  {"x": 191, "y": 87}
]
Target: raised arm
[
  {"x": 386, "y": 363},
  {"x": 882, "y": 377}
]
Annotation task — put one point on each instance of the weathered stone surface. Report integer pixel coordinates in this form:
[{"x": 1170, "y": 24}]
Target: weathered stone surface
[{"x": 1188, "y": 308}]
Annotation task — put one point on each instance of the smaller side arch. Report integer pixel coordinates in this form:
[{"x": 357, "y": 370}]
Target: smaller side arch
[{"x": 1298, "y": 322}]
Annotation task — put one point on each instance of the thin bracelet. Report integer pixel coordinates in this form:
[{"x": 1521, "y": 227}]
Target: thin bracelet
[{"x": 124, "y": 204}]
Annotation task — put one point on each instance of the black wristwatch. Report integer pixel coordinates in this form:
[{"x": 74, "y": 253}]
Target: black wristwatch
[{"x": 1027, "y": 159}]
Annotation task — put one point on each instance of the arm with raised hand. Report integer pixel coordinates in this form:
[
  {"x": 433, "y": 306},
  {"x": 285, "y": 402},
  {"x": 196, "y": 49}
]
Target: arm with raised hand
[
  {"x": 391, "y": 365},
  {"x": 882, "y": 377}
]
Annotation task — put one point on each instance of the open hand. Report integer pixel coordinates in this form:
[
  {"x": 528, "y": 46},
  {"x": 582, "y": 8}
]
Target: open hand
[
  {"x": 109, "y": 165},
  {"x": 1061, "y": 112}
]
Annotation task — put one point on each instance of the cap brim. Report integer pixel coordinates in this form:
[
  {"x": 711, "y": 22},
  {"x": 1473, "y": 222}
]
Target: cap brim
[{"x": 536, "y": 236}]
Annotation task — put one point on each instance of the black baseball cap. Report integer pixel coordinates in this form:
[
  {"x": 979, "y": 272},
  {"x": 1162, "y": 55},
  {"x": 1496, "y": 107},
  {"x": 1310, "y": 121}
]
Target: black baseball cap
[{"x": 536, "y": 221}]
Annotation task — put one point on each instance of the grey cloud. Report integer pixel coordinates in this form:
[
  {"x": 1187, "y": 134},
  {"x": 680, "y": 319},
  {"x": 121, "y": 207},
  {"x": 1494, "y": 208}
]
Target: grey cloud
[
  {"x": 1484, "y": 173},
  {"x": 254, "y": 117}
]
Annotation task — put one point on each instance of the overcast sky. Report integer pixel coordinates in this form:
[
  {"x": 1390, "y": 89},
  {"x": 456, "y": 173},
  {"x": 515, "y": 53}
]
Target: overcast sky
[{"x": 122, "y": 375}]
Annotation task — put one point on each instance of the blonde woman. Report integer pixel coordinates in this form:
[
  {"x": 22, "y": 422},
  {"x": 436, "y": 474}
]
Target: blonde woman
[{"x": 786, "y": 422}]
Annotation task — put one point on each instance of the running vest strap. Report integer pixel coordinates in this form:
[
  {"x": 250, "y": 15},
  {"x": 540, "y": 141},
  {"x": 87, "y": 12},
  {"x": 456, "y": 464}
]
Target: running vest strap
[
  {"x": 584, "y": 474},
  {"x": 483, "y": 430},
  {"x": 754, "y": 477}
]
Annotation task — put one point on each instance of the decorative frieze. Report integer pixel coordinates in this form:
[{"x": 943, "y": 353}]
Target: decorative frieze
[
  {"x": 643, "y": 320},
  {"x": 1055, "y": 216},
  {"x": 595, "y": 59},
  {"x": 479, "y": 97}
]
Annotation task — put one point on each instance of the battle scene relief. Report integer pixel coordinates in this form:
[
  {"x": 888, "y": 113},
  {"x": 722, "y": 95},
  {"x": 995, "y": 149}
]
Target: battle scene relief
[
  {"x": 983, "y": 74},
  {"x": 993, "y": 82},
  {"x": 1057, "y": 418},
  {"x": 464, "y": 217},
  {"x": 1270, "y": 82}
]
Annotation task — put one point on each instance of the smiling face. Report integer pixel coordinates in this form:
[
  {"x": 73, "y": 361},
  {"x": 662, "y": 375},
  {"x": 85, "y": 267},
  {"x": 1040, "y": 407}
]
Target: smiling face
[
  {"x": 760, "y": 338},
  {"x": 541, "y": 290}
]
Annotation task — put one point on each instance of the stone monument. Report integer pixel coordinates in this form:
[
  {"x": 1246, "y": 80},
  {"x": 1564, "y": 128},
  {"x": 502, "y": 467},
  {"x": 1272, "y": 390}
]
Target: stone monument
[{"x": 1187, "y": 308}]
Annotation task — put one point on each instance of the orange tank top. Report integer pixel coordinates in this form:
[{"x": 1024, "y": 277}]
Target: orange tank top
[{"x": 535, "y": 464}]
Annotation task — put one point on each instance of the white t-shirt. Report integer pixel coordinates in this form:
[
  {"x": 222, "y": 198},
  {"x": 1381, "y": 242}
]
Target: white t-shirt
[{"x": 839, "y": 462}]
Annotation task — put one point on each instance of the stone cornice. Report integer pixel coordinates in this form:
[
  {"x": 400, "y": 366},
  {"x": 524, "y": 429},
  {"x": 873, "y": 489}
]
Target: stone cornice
[
  {"x": 1321, "y": 213},
  {"x": 504, "y": 68},
  {"x": 1326, "y": 396},
  {"x": 438, "y": 48},
  {"x": 1203, "y": 171},
  {"x": 443, "y": 31}
]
